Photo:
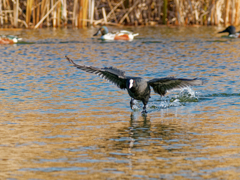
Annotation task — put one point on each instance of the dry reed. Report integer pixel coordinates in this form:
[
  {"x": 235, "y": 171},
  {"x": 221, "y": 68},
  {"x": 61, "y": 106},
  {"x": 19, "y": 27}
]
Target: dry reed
[{"x": 82, "y": 13}]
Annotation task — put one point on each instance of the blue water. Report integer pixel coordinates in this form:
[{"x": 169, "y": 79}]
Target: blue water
[{"x": 58, "y": 122}]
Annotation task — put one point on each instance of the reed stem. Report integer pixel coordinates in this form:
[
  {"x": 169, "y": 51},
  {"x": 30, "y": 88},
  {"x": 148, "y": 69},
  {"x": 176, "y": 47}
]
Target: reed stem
[{"x": 81, "y": 13}]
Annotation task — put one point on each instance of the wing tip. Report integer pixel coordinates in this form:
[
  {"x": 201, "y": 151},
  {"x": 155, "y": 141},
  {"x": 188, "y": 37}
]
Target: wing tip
[
  {"x": 69, "y": 60},
  {"x": 200, "y": 81}
]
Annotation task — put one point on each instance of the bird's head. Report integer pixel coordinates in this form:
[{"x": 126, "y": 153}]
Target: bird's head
[
  {"x": 102, "y": 30},
  {"x": 229, "y": 29}
]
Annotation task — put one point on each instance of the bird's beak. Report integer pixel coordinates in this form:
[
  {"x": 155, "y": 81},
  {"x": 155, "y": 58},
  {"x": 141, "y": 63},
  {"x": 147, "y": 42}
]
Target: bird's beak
[
  {"x": 97, "y": 33},
  {"x": 225, "y": 30}
]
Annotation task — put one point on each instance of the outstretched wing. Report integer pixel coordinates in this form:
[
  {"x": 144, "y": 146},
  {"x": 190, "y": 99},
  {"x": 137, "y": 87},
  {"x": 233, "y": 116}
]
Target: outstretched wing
[
  {"x": 161, "y": 85},
  {"x": 113, "y": 75}
]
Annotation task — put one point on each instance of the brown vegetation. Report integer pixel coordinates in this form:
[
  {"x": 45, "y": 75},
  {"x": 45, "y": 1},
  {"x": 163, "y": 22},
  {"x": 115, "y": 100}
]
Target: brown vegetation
[{"x": 82, "y": 13}]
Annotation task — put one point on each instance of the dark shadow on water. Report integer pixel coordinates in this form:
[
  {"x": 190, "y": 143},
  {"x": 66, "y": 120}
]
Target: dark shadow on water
[
  {"x": 223, "y": 95},
  {"x": 151, "y": 42},
  {"x": 217, "y": 95},
  {"x": 23, "y": 42},
  {"x": 225, "y": 39},
  {"x": 46, "y": 42}
]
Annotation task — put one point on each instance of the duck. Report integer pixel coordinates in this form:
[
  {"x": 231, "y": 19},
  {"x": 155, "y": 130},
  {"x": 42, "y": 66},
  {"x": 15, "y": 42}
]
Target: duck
[
  {"x": 231, "y": 32},
  {"x": 9, "y": 39},
  {"x": 138, "y": 88},
  {"x": 121, "y": 35}
]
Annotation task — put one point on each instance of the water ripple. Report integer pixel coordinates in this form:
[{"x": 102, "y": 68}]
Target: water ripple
[{"x": 60, "y": 122}]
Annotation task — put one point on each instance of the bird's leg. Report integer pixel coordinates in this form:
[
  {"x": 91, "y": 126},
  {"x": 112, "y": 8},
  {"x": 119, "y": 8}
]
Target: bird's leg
[
  {"x": 144, "y": 111},
  {"x": 131, "y": 103}
]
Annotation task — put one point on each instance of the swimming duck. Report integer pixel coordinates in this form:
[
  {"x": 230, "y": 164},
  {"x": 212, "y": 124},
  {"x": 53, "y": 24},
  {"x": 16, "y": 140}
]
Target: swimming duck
[
  {"x": 231, "y": 32},
  {"x": 137, "y": 87},
  {"x": 9, "y": 39},
  {"x": 121, "y": 35}
]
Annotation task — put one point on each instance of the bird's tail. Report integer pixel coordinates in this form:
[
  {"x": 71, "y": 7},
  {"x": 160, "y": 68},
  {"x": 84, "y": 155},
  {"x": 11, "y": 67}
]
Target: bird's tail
[{"x": 135, "y": 34}]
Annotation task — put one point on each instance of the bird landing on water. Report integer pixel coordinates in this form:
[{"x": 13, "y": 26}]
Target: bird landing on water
[{"x": 139, "y": 88}]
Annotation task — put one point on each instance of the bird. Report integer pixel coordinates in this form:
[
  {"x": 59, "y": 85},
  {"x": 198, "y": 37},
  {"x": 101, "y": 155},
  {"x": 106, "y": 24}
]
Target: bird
[
  {"x": 121, "y": 35},
  {"x": 9, "y": 39},
  {"x": 231, "y": 32},
  {"x": 138, "y": 88}
]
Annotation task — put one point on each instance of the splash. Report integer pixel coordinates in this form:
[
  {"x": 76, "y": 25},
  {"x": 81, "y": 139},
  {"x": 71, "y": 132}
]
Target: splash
[
  {"x": 186, "y": 95},
  {"x": 164, "y": 103},
  {"x": 136, "y": 105}
]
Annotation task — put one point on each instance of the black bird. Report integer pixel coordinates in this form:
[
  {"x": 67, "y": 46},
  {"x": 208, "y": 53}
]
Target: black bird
[
  {"x": 231, "y": 30},
  {"x": 137, "y": 87}
]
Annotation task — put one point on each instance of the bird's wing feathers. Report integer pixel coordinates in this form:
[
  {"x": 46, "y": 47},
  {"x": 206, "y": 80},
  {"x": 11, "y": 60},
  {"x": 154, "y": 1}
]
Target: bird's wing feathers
[
  {"x": 113, "y": 75},
  {"x": 161, "y": 85}
]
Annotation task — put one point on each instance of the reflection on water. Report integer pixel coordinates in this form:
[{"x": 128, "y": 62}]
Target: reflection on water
[{"x": 58, "y": 122}]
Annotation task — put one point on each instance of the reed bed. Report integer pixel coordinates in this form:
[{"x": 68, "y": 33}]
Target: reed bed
[{"x": 83, "y": 13}]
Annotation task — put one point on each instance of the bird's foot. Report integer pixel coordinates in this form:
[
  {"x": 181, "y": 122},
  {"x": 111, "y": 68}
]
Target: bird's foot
[{"x": 144, "y": 111}]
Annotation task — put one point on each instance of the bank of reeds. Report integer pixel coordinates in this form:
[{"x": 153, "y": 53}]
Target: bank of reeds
[{"x": 82, "y": 13}]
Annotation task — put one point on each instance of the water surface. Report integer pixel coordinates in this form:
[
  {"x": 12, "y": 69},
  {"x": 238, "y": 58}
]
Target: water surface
[{"x": 58, "y": 122}]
